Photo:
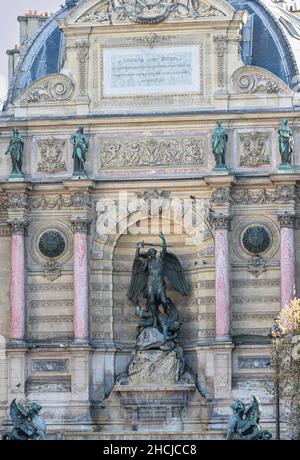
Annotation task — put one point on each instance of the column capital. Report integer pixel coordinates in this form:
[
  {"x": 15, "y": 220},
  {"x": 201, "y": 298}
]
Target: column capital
[
  {"x": 18, "y": 226},
  {"x": 80, "y": 224},
  {"x": 286, "y": 219},
  {"x": 219, "y": 220}
]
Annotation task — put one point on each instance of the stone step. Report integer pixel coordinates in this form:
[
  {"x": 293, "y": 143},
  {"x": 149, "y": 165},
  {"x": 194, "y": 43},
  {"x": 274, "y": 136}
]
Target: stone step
[{"x": 143, "y": 435}]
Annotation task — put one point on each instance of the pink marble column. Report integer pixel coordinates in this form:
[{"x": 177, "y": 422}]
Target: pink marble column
[
  {"x": 287, "y": 257},
  {"x": 80, "y": 226},
  {"x": 17, "y": 280},
  {"x": 222, "y": 275}
]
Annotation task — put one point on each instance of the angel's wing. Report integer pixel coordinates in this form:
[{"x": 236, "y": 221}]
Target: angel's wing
[
  {"x": 172, "y": 269},
  {"x": 139, "y": 278},
  {"x": 251, "y": 417}
]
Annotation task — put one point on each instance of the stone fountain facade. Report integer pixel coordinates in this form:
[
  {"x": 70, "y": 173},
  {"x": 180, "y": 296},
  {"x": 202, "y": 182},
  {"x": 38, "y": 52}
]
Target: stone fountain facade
[{"x": 68, "y": 331}]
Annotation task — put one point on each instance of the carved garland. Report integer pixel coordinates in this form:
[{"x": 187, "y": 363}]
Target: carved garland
[{"x": 82, "y": 56}]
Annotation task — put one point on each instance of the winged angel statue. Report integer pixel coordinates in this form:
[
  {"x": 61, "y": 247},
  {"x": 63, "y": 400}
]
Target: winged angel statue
[
  {"x": 148, "y": 279},
  {"x": 244, "y": 422},
  {"x": 27, "y": 423}
]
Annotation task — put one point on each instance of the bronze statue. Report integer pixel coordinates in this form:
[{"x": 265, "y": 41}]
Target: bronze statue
[
  {"x": 27, "y": 423},
  {"x": 80, "y": 148},
  {"x": 148, "y": 275},
  {"x": 219, "y": 143},
  {"x": 244, "y": 422},
  {"x": 16, "y": 150},
  {"x": 286, "y": 143}
]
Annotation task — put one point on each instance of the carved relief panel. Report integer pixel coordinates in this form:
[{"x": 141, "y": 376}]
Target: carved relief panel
[
  {"x": 51, "y": 156},
  {"x": 254, "y": 150}
]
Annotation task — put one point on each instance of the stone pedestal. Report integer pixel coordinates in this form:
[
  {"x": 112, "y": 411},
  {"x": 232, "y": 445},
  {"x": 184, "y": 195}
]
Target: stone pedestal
[{"x": 154, "y": 407}]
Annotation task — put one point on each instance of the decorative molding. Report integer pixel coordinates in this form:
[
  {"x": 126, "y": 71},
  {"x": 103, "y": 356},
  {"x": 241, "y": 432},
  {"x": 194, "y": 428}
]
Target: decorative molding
[
  {"x": 252, "y": 80},
  {"x": 78, "y": 200},
  {"x": 240, "y": 300},
  {"x": 80, "y": 224},
  {"x": 286, "y": 219},
  {"x": 51, "y": 303},
  {"x": 219, "y": 220},
  {"x": 148, "y": 195},
  {"x": 282, "y": 194},
  {"x": 53, "y": 88},
  {"x": 50, "y": 319},
  {"x": 52, "y": 270},
  {"x": 254, "y": 146},
  {"x": 50, "y": 287},
  {"x": 147, "y": 12},
  {"x": 220, "y": 41},
  {"x": 154, "y": 152},
  {"x": 221, "y": 195},
  {"x": 18, "y": 226},
  {"x": 51, "y": 152},
  {"x": 82, "y": 56},
  {"x": 246, "y": 316},
  {"x": 255, "y": 283},
  {"x": 152, "y": 39}
]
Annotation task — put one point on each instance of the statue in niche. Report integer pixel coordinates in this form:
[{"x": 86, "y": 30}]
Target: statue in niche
[
  {"x": 219, "y": 144},
  {"x": 244, "y": 422},
  {"x": 27, "y": 423},
  {"x": 158, "y": 358},
  {"x": 148, "y": 275},
  {"x": 80, "y": 149},
  {"x": 286, "y": 143},
  {"x": 16, "y": 151}
]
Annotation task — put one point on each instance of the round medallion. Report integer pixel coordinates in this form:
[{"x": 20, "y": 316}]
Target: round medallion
[
  {"x": 52, "y": 244},
  {"x": 256, "y": 239}
]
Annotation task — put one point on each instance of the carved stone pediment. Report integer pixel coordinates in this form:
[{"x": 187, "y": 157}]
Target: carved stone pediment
[
  {"x": 53, "y": 88},
  {"x": 109, "y": 12},
  {"x": 256, "y": 80}
]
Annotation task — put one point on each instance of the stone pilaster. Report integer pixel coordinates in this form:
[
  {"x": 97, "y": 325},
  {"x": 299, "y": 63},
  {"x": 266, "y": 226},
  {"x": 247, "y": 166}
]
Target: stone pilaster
[{"x": 287, "y": 256}]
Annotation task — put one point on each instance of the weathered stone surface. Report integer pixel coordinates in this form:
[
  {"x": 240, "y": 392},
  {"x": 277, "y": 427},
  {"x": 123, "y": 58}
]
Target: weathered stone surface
[
  {"x": 151, "y": 338},
  {"x": 154, "y": 367}
]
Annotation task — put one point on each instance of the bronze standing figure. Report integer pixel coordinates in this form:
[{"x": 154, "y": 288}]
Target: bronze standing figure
[
  {"x": 16, "y": 151},
  {"x": 80, "y": 149}
]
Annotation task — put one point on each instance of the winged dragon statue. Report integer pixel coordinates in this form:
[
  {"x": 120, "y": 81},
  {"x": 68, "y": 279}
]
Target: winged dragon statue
[
  {"x": 27, "y": 422},
  {"x": 148, "y": 279},
  {"x": 244, "y": 422}
]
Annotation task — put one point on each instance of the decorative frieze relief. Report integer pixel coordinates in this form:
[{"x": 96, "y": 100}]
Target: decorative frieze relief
[
  {"x": 255, "y": 283},
  {"x": 48, "y": 387},
  {"x": 22, "y": 201},
  {"x": 248, "y": 316},
  {"x": 154, "y": 152},
  {"x": 49, "y": 287},
  {"x": 120, "y": 11},
  {"x": 53, "y": 88},
  {"x": 51, "y": 153},
  {"x": 220, "y": 195},
  {"x": 254, "y": 150},
  {"x": 51, "y": 303},
  {"x": 239, "y": 300},
  {"x": 252, "y": 79},
  {"x": 50, "y": 319},
  {"x": 283, "y": 194}
]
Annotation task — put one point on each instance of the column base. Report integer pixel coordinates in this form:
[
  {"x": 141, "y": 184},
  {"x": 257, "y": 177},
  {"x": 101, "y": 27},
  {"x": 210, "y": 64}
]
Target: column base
[
  {"x": 17, "y": 343},
  {"x": 80, "y": 342},
  {"x": 223, "y": 338}
]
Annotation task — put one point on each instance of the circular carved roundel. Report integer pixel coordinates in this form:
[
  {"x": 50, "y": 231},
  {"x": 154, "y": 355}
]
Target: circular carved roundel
[
  {"x": 52, "y": 244},
  {"x": 256, "y": 239}
]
